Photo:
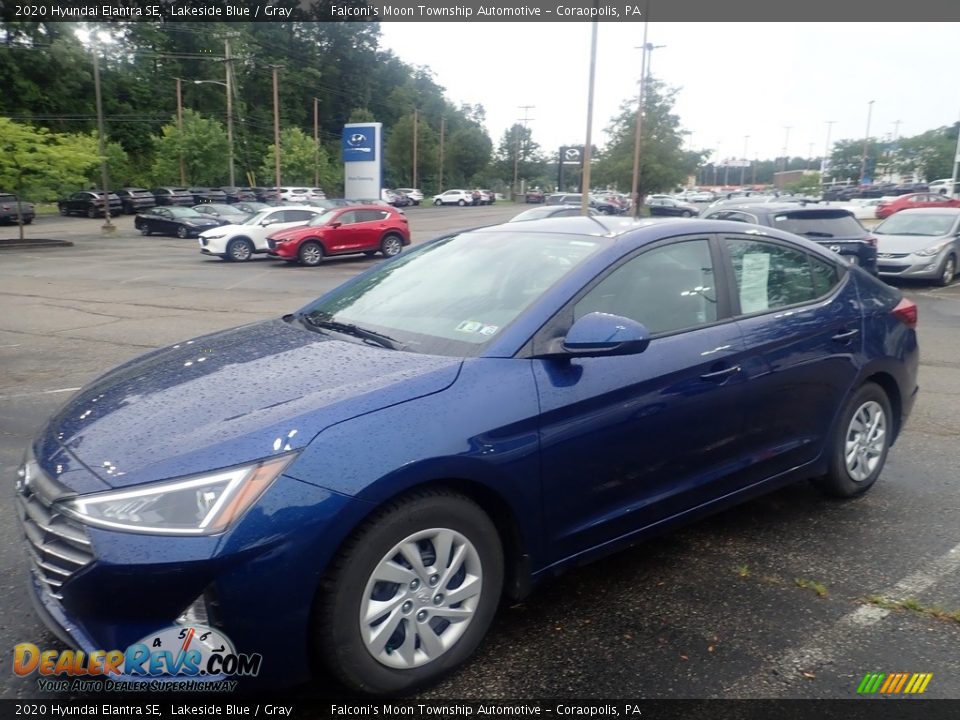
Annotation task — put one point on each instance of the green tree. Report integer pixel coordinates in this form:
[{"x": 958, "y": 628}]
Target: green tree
[
  {"x": 203, "y": 145},
  {"x": 664, "y": 165},
  {"x": 300, "y": 159},
  {"x": 398, "y": 153},
  {"x": 929, "y": 155},
  {"x": 39, "y": 164},
  {"x": 517, "y": 150},
  {"x": 466, "y": 155}
]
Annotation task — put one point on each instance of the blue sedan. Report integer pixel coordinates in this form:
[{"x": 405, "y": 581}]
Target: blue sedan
[{"x": 358, "y": 483}]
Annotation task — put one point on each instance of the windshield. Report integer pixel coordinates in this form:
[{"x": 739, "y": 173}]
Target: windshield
[
  {"x": 820, "y": 224},
  {"x": 183, "y": 212},
  {"x": 904, "y": 223},
  {"x": 322, "y": 218},
  {"x": 455, "y": 295}
]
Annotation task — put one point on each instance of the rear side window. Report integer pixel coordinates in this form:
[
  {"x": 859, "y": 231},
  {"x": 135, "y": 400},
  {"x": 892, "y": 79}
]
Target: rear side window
[
  {"x": 771, "y": 276},
  {"x": 819, "y": 224},
  {"x": 297, "y": 215}
]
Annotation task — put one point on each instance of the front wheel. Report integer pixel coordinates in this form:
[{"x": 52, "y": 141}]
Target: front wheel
[
  {"x": 391, "y": 245},
  {"x": 411, "y": 594},
  {"x": 948, "y": 271},
  {"x": 860, "y": 443},
  {"x": 461, "y": 203},
  {"x": 64, "y": 211},
  {"x": 182, "y": 232},
  {"x": 91, "y": 212},
  {"x": 239, "y": 250},
  {"x": 311, "y": 253},
  {"x": 145, "y": 229},
  {"x": 437, "y": 203},
  {"x": 686, "y": 214}
]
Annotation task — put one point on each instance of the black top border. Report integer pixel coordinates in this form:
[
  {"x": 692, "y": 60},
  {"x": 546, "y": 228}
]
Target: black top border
[{"x": 852, "y": 11}]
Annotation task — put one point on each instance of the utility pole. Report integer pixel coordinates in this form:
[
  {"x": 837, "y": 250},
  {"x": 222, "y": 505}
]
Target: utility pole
[
  {"x": 276, "y": 124},
  {"x": 183, "y": 169},
  {"x": 443, "y": 121},
  {"x": 585, "y": 177},
  {"x": 517, "y": 146},
  {"x": 826, "y": 152},
  {"x": 638, "y": 129},
  {"x": 228, "y": 63},
  {"x": 952, "y": 190},
  {"x": 786, "y": 144},
  {"x": 108, "y": 227},
  {"x": 316, "y": 142},
  {"x": 415, "y": 118},
  {"x": 743, "y": 168},
  {"x": 866, "y": 143}
]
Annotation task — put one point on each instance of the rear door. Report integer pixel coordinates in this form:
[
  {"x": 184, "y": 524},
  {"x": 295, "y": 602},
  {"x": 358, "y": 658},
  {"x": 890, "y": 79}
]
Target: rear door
[
  {"x": 629, "y": 441},
  {"x": 801, "y": 322}
]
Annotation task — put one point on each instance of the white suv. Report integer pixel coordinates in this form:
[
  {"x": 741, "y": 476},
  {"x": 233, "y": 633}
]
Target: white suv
[
  {"x": 943, "y": 187},
  {"x": 239, "y": 242},
  {"x": 454, "y": 197},
  {"x": 411, "y": 193}
]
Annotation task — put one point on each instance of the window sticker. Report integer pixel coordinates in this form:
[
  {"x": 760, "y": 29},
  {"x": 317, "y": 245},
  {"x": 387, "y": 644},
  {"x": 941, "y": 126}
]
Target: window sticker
[
  {"x": 754, "y": 275},
  {"x": 489, "y": 329},
  {"x": 469, "y": 326}
]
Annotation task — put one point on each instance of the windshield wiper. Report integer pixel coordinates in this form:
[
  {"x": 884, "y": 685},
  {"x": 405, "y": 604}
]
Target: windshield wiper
[{"x": 353, "y": 330}]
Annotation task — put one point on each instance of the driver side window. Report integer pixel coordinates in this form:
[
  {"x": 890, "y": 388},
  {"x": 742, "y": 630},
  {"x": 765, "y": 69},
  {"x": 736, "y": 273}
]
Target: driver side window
[{"x": 669, "y": 288}]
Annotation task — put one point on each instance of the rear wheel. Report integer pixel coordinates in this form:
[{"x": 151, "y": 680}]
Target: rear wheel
[
  {"x": 64, "y": 211},
  {"x": 91, "y": 212},
  {"x": 411, "y": 594},
  {"x": 686, "y": 214},
  {"x": 391, "y": 245},
  {"x": 311, "y": 253},
  {"x": 182, "y": 232},
  {"x": 860, "y": 443},
  {"x": 948, "y": 271},
  {"x": 461, "y": 203},
  {"x": 438, "y": 203},
  {"x": 239, "y": 250},
  {"x": 145, "y": 229}
]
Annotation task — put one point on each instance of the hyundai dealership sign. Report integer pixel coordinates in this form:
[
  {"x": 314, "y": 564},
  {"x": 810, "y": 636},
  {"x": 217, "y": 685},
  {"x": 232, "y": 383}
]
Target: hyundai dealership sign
[{"x": 361, "y": 144}]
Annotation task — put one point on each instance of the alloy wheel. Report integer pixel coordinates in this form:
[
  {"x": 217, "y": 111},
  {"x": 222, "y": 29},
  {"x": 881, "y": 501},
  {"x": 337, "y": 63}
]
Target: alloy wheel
[{"x": 865, "y": 441}]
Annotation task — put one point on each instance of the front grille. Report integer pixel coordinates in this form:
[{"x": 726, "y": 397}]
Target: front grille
[
  {"x": 58, "y": 546},
  {"x": 891, "y": 256},
  {"x": 272, "y": 244},
  {"x": 894, "y": 268}
]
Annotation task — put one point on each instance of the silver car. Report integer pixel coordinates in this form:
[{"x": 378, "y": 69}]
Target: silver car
[{"x": 922, "y": 243}]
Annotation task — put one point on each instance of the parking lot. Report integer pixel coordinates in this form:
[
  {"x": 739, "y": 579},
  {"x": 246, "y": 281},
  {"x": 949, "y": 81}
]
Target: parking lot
[{"x": 791, "y": 595}]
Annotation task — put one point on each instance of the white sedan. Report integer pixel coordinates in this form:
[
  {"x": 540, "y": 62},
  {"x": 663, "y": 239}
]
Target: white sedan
[
  {"x": 454, "y": 197},
  {"x": 239, "y": 243}
]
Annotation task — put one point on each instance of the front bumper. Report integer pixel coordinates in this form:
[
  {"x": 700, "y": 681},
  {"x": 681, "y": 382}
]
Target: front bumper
[
  {"x": 910, "y": 265},
  {"x": 263, "y": 574}
]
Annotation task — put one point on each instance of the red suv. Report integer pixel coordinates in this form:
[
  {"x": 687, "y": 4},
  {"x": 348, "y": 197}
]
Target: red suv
[
  {"x": 362, "y": 228},
  {"x": 916, "y": 200}
]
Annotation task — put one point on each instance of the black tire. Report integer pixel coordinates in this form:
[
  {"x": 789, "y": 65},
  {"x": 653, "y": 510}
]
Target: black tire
[
  {"x": 461, "y": 203},
  {"x": 239, "y": 250},
  {"x": 91, "y": 212},
  {"x": 437, "y": 203},
  {"x": 145, "y": 229},
  {"x": 64, "y": 211},
  {"x": 310, "y": 253},
  {"x": 350, "y": 582},
  {"x": 839, "y": 482},
  {"x": 686, "y": 214},
  {"x": 391, "y": 245},
  {"x": 948, "y": 271},
  {"x": 182, "y": 232},
  {"x": 27, "y": 221}
]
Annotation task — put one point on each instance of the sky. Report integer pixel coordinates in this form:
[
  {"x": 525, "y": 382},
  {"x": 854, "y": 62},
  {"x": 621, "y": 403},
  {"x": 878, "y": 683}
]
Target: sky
[{"x": 735, "y": 79}]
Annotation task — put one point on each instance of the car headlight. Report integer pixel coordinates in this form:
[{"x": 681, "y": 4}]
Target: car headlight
[
  {"x": 932, "y": 250},
  {"x": 214, "y": 236},
  {"x": 202, "y": 505}
]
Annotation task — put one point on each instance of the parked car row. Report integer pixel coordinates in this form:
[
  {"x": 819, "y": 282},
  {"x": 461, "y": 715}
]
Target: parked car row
[
  {"x": 11, "y": 209},
  {"x": 465, "y": 197}
]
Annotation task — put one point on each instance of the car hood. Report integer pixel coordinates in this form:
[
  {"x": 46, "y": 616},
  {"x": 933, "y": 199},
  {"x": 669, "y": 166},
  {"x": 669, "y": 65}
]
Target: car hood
[
  {"x": 225, "y": 399},
  {"x": 906, "y": 243}
]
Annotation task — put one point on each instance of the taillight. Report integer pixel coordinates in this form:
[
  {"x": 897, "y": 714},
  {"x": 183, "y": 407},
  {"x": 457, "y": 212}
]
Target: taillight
[
  {"x": 906, "y": 312},
  {"x": 871, "y": 240}
]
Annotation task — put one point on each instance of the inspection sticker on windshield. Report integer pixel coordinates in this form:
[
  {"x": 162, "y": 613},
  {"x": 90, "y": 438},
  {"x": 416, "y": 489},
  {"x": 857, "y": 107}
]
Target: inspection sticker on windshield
[{"x": 473, "y": 326}]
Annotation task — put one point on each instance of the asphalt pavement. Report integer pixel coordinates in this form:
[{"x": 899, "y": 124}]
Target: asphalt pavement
[{"x": 789, "y": 596}]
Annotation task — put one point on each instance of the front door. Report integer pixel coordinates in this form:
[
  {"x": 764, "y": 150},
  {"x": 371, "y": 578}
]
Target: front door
[{"x": 630, "y": 441}]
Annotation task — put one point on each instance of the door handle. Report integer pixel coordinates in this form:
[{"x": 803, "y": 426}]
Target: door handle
[
  {"x": 720, "y": 374},
  {"x": 846, "y": 335}
]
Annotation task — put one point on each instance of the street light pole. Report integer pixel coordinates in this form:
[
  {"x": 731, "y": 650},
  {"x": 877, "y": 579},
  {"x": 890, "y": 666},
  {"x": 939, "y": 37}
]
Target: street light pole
[
  {"x": 743, "y": 168},
  {"x": 866, "y": 143},
  {"x": 108, "y": 227},
  {"x": 183, "y": 169},
  {"x": 635, "y": 182},
  {"x": 585, "y": 182},
  {"x": 276, "y": 124},
  {"x": 826, "y": 151},
  {"x": 952, "y": 190}
]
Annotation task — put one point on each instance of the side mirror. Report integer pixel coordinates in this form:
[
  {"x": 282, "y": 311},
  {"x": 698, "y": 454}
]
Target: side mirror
[
  {"x": 334, "y": 225},
  {"x": 269, "y": 221},
  {"x": 600, "y": 334}
]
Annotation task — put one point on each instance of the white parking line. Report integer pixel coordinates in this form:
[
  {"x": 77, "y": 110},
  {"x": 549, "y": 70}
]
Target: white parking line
[
  {"x": 791, "y": 665},
  {"x": 39, "y": 392}
]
